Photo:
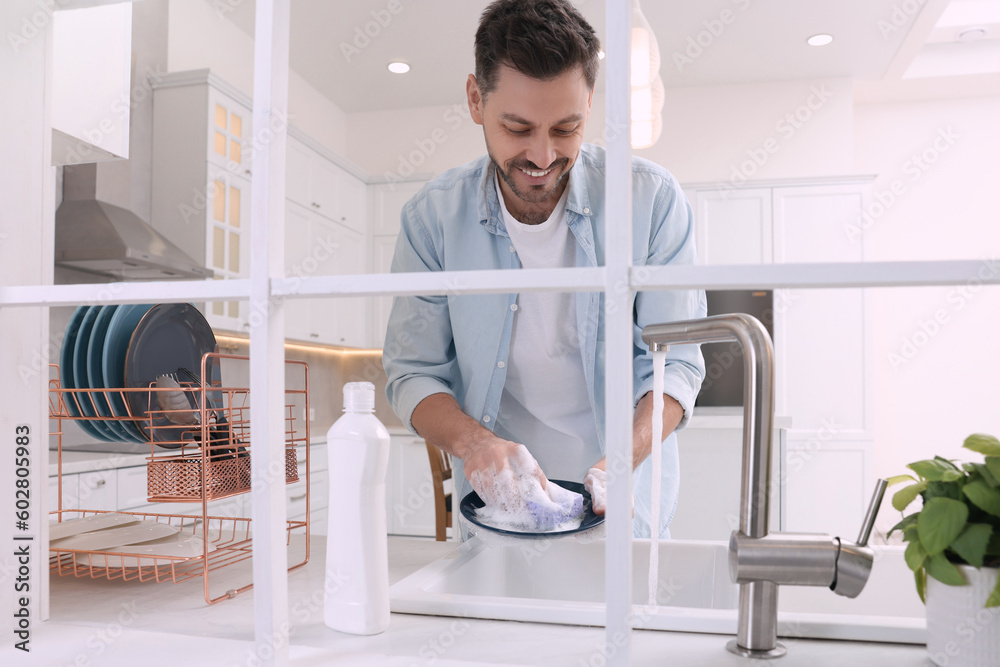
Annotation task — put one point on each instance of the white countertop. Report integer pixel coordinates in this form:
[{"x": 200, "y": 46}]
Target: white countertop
[{"x": 134, "y": 623}]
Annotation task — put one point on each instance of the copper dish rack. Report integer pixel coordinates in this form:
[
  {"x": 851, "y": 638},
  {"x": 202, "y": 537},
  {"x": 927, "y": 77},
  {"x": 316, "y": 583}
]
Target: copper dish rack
[{"x": 187, "y": 472}]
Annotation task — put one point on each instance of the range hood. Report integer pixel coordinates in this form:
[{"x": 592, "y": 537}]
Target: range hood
[{"x": 102, "y": 238}]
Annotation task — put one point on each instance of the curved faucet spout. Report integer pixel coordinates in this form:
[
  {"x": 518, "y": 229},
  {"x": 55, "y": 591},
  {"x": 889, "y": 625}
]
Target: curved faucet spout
[{"x": 758, "y": 400}]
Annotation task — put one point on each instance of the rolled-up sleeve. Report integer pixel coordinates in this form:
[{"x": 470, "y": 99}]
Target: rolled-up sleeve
[
  {"x": 419, "y": 352},
  {"x": 672, "y": 241}
]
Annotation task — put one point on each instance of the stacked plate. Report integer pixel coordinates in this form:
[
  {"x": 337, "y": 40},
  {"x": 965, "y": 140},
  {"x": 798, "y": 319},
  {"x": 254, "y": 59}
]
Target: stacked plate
[
  {"x": 122, "y": 533},
  {"x": 109, "y": 348}
]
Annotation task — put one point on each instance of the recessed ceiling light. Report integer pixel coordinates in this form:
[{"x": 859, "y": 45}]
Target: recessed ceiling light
[
  {"x": 600, "y": 55},
  {"x": 972, "y": 34},
  {"x": 398, "y": 67},
  {"x": 819, "y": 40}
]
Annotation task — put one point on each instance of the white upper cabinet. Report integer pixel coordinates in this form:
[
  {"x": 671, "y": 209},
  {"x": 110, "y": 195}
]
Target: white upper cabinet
[
  {"x": 324, "y": 187},
  {"x": 201, "y": 179},
  {"x": 202, "y": 170},
  {"x": 734, "y": 226},
  {"x": 91, "y": 81}
]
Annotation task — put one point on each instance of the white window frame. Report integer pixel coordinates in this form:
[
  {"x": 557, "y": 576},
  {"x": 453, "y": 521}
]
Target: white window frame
[{"x": 268, "y": 288}]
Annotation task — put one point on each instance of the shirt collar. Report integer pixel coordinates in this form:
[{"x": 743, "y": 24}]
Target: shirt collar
[{"x": 491, "y": 215}]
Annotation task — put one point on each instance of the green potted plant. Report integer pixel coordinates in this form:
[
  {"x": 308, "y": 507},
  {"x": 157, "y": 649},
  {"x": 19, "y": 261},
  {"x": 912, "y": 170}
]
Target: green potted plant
[{"x": 953, "y": 548}]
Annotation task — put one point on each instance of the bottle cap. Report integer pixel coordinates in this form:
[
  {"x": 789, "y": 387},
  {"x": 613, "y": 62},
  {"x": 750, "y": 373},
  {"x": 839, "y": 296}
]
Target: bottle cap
[{"x": 359, "y": 397}]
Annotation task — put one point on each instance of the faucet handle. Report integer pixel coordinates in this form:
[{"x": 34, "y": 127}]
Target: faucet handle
[
  {"x": 854, "y": 561},
  {"x": 869, "y": 521}
]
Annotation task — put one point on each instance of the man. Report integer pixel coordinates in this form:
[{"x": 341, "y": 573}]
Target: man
[{"x": 481, "y": 375}]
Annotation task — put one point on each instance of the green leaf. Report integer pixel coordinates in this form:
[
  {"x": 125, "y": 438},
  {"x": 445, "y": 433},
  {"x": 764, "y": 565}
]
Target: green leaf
[
  {"x": 909, "y": 520},
  {"x": 971, "y": 544},
  {"x": 939, "y": 567},
  {"x": 941, "y": 521},
  {"x": 896, "y": 479},
  {"x": 946, "y": 463},
  {"x": 983, "y": 497},
  {"x": 902, "y": 498},
  {"x": 994, "y": 599},
  {"x": 943, "y": 490},
  {"x": 984, "y": 444},
  {"x": 951, "y": 475},
  {"x": 993, "y": 548},
  {"x": 915, "y": 555},
  {"x": 993, "y": 465},
  {"x": 920, "y": 576},
  {"x": 910, "y": 532},
  {"x": 932, "y": 469},
  {"x": 987, "y": 474}
]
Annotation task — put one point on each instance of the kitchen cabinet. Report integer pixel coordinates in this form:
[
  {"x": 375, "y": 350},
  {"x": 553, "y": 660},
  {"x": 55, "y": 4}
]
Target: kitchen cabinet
[
  {"x": 202, "y": 158},
  {"x": 202, "y": 151},
  {"x": 386, "y": 204},
  {"x": 822, "y": 337},
  {"x": 409, "y": 488},
  {"x": 315, "y": 246},
  {"x": 123, "y": 486},
  {"x": 326, "y": 188},
  {"x": 91, "y": 82}
]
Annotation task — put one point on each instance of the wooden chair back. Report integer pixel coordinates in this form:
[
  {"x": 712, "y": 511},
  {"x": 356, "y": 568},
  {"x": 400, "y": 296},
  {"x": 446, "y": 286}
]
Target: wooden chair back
[{"x": 440, "y": 471}]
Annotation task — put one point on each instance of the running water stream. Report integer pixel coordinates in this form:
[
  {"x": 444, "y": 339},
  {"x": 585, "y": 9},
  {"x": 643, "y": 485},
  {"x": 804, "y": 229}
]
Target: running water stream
[{"x": 659, "y": 358}]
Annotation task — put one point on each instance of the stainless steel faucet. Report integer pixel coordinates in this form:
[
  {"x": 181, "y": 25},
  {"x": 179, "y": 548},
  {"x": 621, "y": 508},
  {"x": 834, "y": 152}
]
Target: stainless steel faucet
[{"x": 760, "y": 561}]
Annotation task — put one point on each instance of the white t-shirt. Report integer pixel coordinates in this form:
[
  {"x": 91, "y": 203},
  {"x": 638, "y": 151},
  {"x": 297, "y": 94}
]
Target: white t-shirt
[{"x": 545, "y": 404}]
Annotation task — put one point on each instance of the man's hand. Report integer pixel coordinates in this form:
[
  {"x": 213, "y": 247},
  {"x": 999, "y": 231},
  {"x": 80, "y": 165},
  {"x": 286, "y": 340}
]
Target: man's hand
[
  {"x": 596, "y": 484},
  {"x": 490, "y": 456}
]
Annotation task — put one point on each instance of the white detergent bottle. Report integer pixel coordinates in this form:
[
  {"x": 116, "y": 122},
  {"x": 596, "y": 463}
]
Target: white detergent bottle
[{"x": 357, "y": 560}]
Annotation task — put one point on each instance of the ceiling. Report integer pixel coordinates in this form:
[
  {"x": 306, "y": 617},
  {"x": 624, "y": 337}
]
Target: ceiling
[{"x": 342, "y": 47}]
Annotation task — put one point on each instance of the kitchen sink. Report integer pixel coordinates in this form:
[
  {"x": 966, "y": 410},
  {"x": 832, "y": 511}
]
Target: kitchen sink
[{"x": 562, "y": 581}]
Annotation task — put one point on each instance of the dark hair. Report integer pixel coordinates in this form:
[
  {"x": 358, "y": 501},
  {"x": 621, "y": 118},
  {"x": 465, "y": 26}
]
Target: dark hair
[{"x": 539, "y": 38}]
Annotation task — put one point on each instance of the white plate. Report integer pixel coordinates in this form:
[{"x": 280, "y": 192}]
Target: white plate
[
  {"x": 58, "y": 531},
  {"x": 180, "y": 545},
  {"x": 109, "y": 538}
]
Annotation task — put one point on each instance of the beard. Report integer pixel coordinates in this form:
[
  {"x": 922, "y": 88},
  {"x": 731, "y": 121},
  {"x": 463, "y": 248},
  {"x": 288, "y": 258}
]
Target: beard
[{"x": 533, "y": 194}]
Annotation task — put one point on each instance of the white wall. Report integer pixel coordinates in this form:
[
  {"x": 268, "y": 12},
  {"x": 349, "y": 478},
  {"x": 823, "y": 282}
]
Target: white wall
[
  {"x": 199, "y": 38},
  {"x": 710, "y": 133},
  {"x": 935, "y": 361}
]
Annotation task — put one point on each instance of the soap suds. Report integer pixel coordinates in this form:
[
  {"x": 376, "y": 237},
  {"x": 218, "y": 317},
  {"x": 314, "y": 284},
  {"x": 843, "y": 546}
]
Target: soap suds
[{"x": 515, "y": 500}]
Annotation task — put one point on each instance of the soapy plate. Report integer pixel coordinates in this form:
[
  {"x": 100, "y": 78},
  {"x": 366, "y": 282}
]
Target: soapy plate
[{"x": 472, "y": 502}]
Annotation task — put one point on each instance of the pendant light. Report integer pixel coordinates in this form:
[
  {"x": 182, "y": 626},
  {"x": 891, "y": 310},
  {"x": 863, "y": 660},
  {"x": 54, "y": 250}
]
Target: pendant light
[{"x": 647, "y": 86}]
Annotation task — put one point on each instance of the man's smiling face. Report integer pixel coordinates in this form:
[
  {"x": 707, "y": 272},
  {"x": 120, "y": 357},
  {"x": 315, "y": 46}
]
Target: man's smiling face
[{"x": 533, "y": 130}]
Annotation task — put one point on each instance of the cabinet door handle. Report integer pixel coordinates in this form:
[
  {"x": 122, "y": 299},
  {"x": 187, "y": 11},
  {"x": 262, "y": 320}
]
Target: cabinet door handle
[
  {"x": 314, "y": 335},
  {"x": 101, "y": 482},
  {"x": 248, "y": 172},
  {"x": 315, "y": 205},
  {"x": 299, "y": 497}
]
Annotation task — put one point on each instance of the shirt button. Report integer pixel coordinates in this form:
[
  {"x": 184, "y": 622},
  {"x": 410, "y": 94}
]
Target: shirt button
[
  {"x": 486, "y": 419},
  {"x": 512, "y": 249},
  {"x": 500, "y": 364},
  {"x": 587, "y": 211},
  {"x": 513, "y": 306}
]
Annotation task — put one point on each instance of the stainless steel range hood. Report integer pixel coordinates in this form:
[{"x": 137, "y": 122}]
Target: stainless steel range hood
[{"x": 102, "y": 238}]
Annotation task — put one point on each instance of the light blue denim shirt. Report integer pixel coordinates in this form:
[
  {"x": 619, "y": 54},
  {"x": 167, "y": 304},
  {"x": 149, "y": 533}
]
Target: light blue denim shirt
[{"x": 459, "y": 344}]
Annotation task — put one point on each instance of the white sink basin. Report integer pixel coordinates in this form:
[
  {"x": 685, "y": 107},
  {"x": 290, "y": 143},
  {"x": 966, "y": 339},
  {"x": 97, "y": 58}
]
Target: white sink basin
[{"x": 562, "y": 581}]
